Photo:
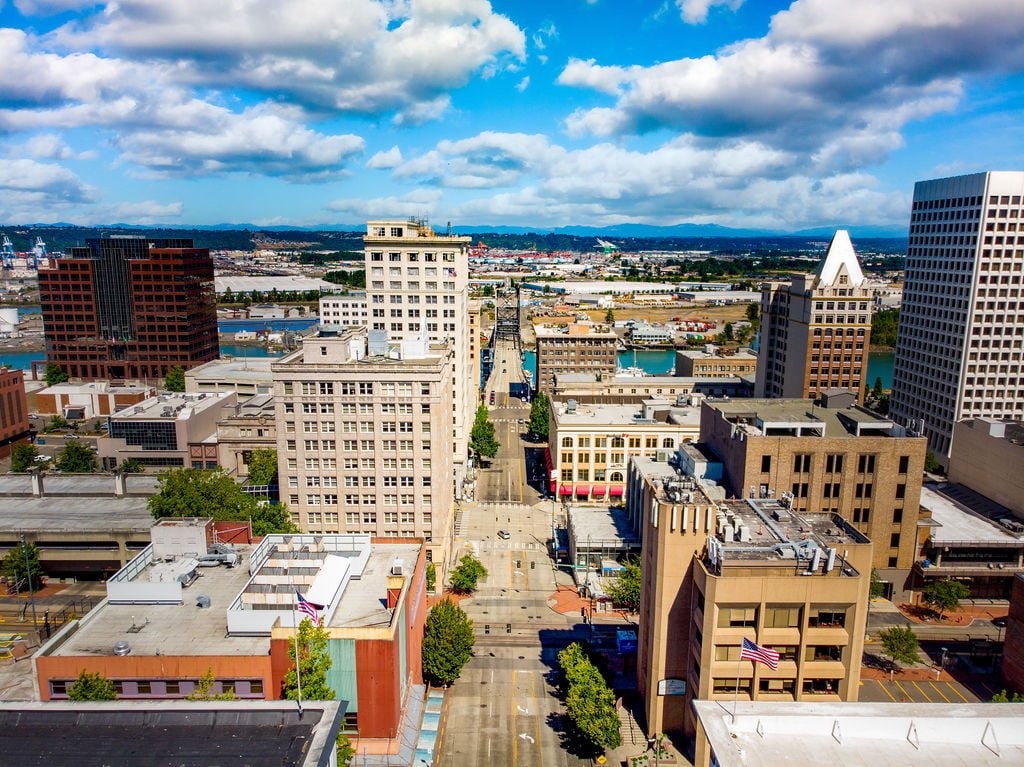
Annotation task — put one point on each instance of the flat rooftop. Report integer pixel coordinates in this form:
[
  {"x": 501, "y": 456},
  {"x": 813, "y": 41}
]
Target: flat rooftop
[
  {"x": 364, "y": 602},
  {"x": 770, "y": 522},
  {"x": 961, "y": 521},
  {"x": 663, "y": 412},
  {"x": 798, "y": 417},
  {"x": 71, "y": 485},
  {"x": 248, "y": 369},
  {"x": 864, "y": 734},
  {"x": 70, "y": 514},
  {"x": 172, "y": 407},
  {"x": 597, "y": 524}
]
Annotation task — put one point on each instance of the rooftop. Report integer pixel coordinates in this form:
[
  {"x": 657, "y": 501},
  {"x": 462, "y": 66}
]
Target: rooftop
[
  {"x": 74, "y": 486},
  {"x": 180, "y": 733},
  {"x": 602, "y": 525},
  {"x": 803, "y": 418},
  {"x": 965, "y": 517},
  {"x": 172, "y": 407},
  {"x": 863, "y": 734},
  {"x": 652, "y": 411},
  {"x": 74, "y": 514},
  {"x": 574, "y": 329},
  {"x": 248, "y": 369},
  {"x": 93, "y": 387}
]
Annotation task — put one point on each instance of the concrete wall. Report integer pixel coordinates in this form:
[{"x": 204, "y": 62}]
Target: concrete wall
[{"x": 988, "y": 463}]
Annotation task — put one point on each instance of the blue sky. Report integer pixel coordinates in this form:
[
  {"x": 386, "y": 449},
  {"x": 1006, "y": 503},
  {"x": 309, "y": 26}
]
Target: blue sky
[{"x": 528, "y": 113}]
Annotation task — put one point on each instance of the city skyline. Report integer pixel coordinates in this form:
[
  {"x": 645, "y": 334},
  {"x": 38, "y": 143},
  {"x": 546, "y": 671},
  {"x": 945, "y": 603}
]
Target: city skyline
[{"x": 755, "y": 115}]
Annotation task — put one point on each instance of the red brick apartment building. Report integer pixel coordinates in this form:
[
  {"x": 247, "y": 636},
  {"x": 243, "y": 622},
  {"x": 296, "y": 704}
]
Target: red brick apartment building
[
  {"x": 13, "y": 410},
  {"x": 128, "y": 307}
]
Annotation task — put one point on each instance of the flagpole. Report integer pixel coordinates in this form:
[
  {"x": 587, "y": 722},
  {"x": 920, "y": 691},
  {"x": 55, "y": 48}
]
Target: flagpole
[
  {"x": 298, "y": 674},
  {"x": 736, "y": 691}
]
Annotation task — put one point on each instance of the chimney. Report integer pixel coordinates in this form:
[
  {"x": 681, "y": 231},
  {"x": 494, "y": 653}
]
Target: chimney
[
  {"x": 37, "y": 482},
  {"x": 120, "y": 488}
]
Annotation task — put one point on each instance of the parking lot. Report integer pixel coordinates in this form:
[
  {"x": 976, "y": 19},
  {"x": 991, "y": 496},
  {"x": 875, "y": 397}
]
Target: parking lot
[{"x": 921, "y": 691}]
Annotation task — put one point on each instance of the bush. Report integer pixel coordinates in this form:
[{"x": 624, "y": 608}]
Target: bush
[{"x": 91, "y": 687}]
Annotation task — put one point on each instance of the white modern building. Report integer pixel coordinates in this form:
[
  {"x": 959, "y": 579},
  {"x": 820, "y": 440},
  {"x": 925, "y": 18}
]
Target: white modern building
[
  {"x": 345, "y": 310},
  {"x": 958, "y": 352},
  {"x": 417, "y": 287}
]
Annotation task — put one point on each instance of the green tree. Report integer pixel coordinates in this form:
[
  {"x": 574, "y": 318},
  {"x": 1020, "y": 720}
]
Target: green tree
[
  {"x": 271, "y": 518},
  {"x": 21, "y": 563},
  {"x": 131, "y": 466},
  {"x": 1004, "y": 697},
  {"x": 57, "y": 423},
  {"x": 589, "y": 701},
  {"x": 481, "y": 438},
  {"x": 944, "y": 595},
  {"x": 228, "y": 297},
  {"x": 91, "y": 687},
  {"x": 609, "y": 316},
  {"x": 900, "y": 644},
  {"x": 204, "y": 689},
  {"x": 625, "y": 590},
  {"x": 447, "y": 643},
  {"x": 877, "y": 588},
  {"x": 343, "y": 750},
  {"x": 932, "y": 465},
  {"x": 883, "y": 327},
  {"x": 314, "y": 663},
  {"x": 431, "y": 577},
  {"x": 754, "y": 316},
  {"x": 54, "y": 374},
  {"x": 77, "y": 458},
  {"x": 262, "y": 467},
  {"x": 23, "y": 457},
  {"x": 878, "y": 391},
  {"x": 175, "y": 379},
  {"x": 540, "y": 410},
  {"x": 727, "y": 333},
  {"x": 464, "y": 577}
]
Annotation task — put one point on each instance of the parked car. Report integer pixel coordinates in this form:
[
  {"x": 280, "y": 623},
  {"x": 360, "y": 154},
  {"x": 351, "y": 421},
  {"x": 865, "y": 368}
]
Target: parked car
[{"x": 504, "y": 534}]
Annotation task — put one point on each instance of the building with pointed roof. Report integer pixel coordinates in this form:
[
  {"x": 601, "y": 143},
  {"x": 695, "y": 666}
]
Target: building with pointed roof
[{"x": 816, "y": 328}]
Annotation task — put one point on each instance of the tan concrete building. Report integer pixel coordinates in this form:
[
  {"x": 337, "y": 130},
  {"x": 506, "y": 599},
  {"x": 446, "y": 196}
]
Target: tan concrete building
[
  {"x": 92, "y": 399},
  {"x": 247, "y": 376},
  {"x": 592, "y": 444},
  {"x": 717, "y": 572},
  {"x": 826, "y": 457},
  {"x": 473, "y": 315},
  {"x": 249, "y": 426},
  {"x": 590, "y": 387},
  {"x": 713, "y": 362},
  {"x": 363, "y": 437},
  {"x": 579, "y": 347},
  {"x": 987, "y": 456},
  {"x": 816, "y": 329},
  {"x": 344, "y": 310},
  {"x": 417, "y": 286}
]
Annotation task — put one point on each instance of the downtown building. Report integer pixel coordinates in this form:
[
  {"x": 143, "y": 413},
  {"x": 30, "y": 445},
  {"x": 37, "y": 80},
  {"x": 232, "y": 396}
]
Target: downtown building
[
  {"x": 363, "y": 437},
  {"x": 128, "y": 307},
  {"x": 816, "y": 329},
  {"x": 962, "y": 317},
  {"x": 580, "y": 347},
  {"x": 417, "y": 287}
]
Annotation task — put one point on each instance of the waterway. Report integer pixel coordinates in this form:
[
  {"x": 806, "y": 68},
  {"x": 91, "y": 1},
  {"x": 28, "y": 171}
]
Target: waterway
[{"x": 24, "y": 360}]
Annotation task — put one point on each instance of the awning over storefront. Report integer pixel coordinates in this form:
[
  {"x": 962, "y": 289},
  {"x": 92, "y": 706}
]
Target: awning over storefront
[
  {"x": 598, "y": 490},
  {"x": 565, "y": 490},
  {"x": 617, "y": 491},
  {"x": 553, "y": 485},
  {"x": 582, "y": 489}
]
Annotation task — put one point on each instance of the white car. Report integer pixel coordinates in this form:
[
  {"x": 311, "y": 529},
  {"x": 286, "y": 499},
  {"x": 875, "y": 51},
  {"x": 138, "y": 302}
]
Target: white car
[{"x": 504, "y": 534}]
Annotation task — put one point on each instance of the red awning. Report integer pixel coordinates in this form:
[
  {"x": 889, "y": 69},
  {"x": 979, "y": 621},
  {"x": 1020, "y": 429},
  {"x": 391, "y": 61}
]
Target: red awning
[
  {"x": 582, "y": 489},
  {"x": 617, "y": 491},
  {"x": 553, "y": 485},
  {"x": 566, "y": 490},
  {"x": 598, "y": 490},
  {"x": 547, "y": 458}
]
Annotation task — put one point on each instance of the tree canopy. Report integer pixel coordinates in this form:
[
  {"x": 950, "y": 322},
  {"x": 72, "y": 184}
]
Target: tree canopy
[
  {"x": 540, "y": 410},
  {"x": 54, "y": 374},
  {"x": 464, "y": 576},
  {"x": 625, "y": 590},
  {"x": 883, "y": 327},
  {"x": 945, "y": 595},
  {"x": 77, "y": 458},
  {"x": 481, "y": 439},
  {"x": 91, "y": 687},
  {"x": 23, "y": 456},
  {"x": 204, "y": 689},
  {"x": 175, "y": 379},
  {"x": 447, "y": 643},
  {"x": 262, "y": 467},
  {"x": 589, "y": 701},
  {"x": 20, "y": 563},
  {"x": 900, "y": 643},
  {"x": 314, "y": 663}
]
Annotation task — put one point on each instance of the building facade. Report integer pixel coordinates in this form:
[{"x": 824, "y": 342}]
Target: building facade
[
  {"x": 962, "y": 316},
  {"x": 828, "y": 457},
  {"x": 363, "y": 437},
  {"x": 251, "y": 425},
  {"x": 626, "y": 387},
  {"x": 344, "y": 310},
  {"x": 129, "y": 308},
  {"x": 580, "y": 347},
  {"x": 816, "y": 329},
  {"x": 716, "y": 572},
  {"x": 712, "y": 362},
  {"x": 13, "y": 410},
  {"x": 417, "y": 287},
  {"x": 988, "y": 456}
]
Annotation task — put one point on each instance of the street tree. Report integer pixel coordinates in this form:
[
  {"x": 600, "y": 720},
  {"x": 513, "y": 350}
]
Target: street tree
[
  {"x": 609, "y": 316},
  {"x": 877, "y": 588},
  {"x": 23, "y": 456},
  {"x": 754, "y": 315},
  {"x": 481, "y": 439},
  {"x": 589, "y": 701},
  {"x": 175, "y": 379},
  {"x": 77, "y": 458},
  {"x": 22, "y": 563},
  {"x": 130, "y": 466},
  {"x": 54, "y": 374},
  {"x": 204, "y": 689},
  {"x": 945, "y": 595},
  {"x": 625, "y": 590},
  {"x": 314, "y": 663},
  {"x": 91, "y": 687},
  {"x": 447, "y": 643},
  {"x": 540, "y": 411},
  {"x": 1004, "y": 697},
  {"x": 465, "y": 576},
  {"x": 262, "y": 467},
  {"x": 900, "y": 644}
]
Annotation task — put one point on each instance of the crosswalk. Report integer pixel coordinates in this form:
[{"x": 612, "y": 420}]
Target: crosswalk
[{"x": 500, "y": 545}]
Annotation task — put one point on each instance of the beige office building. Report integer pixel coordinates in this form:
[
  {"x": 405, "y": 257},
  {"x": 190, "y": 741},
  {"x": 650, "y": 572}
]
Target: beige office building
[
  {"x": 580, "y": 347},
  {"x": 712, "y": 362},
  {"x": 988, "y": 457},
  {"x": 344, "y": 310},
  {"x": 829, "y": 456},
  {"x": 816, "y": 329},
  {"x": 627, "y": 387},
  {"x": 417, "y": 287},
  {"x": 717, "y": 572},
  {"x": 363, "y": 437}
]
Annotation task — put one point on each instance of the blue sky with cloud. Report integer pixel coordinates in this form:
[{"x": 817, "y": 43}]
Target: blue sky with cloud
[{"x": 592, "y": 112}]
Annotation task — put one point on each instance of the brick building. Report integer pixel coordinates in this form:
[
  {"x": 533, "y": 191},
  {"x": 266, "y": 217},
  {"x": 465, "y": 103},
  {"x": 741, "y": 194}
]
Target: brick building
[
  {"x": 129, "y": 308},
  {"x": 13, "y": 410},
  {"x": 580, "y": 347}
]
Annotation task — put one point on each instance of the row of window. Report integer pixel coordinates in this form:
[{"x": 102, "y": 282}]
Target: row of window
[
  {"x": 780, "y": 616},
  {"x": 363, "y": 388},
  {"x": 786, "y": 652},
  {"x": 167, "y": 688},
  {"x": 351, "y": 499},
  {"x": 351, "y": 445},
  {"x": 618, "y": 442},
  {"x": 397, "y": 257}
]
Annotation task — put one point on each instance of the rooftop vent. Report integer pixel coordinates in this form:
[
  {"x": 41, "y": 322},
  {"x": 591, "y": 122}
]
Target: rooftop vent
[
  {"x": 571, "y": 405},
  {"x": 122, "y": 648},
  {"x": 202, "y": 601}
]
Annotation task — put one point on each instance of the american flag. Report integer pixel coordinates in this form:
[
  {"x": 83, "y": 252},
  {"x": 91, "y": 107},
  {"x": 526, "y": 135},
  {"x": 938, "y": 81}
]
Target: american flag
[
  {"x": 309, "y": 608},
  {"x": 758, "y": 654}
]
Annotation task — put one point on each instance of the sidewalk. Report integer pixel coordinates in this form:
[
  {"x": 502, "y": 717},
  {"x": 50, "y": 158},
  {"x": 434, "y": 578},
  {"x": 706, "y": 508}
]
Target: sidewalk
[{"x": 567, "y": 601}]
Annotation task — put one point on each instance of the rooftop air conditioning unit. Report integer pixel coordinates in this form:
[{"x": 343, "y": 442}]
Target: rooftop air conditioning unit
[
  {"x": 122, "y": 648},
  {"x": 396, "y": 567}
]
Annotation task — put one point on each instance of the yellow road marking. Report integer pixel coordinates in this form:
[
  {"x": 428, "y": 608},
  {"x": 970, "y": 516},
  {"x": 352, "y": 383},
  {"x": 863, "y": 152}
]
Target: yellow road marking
[
  {"x": 921, "y": 690},
  {"x": 886, "y": 691},
  {"x": 905, "y": 694},
  {"x": 958, "y": 693},
  {"x": 936, "y": 688},
  {"x": 536, "y": 719},
  {"x": 515, "y": 748}
]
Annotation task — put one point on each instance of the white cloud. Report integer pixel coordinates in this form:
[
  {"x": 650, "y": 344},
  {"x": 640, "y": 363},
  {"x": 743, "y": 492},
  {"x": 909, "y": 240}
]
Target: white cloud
[
  {"x": 523, "y": 84},
  {"x": 47, "y": 146},
  {"x": 138, "y": 212},
  {"x": 35, "y": 191},
  {"x": 419, "y": 202},
  {"x": 696, "y": 11},
  {"x": 390, "y": 158}
]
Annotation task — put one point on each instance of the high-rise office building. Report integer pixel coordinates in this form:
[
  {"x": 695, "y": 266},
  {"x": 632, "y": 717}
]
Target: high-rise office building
[
  {"x": 961, "y": 329},
  {"x": 417, "y": 287},
  {"x": 816, "y": 328},
  {"x": 129, "y": 307}
]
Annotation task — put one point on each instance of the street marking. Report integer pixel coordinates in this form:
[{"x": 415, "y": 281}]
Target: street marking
[
  {"x": 906, "y": 695},
  {"x": 524, "y": 736},
  {"x": 886, "y": 691},
  {"x": 936, "y": 688},
  {"x": 960, "y": 694},
  {"x": 536, "y": 720},
  {"x": 515, "y": 754},
  {"x": 523, "y": 710},
  {"x": 921, "y": 690}
]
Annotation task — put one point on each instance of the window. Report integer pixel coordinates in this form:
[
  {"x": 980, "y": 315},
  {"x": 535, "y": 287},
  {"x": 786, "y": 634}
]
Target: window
[
  {"x": 827, "y": 617},
  {"x": 802, "y": 463},
  {"x": 785, "y": 651},
  {"x": 737, "y": 617},
  {"x": 566, "y": 441},
  {"x": 731, "y": 686},
  {"x": 727, "y": 652},
  {"x": 782, "y": 617},
  {"x": 865, "y": 464},
  {"x": 904, "y": 464},
  {"x": 897, "y": 516},
  {"x": 901, "y": 491},
  {"x": 780, "y": 686},
  {"x": 766, "y": 463},
  {"x": 824, "y": 652},
  {"x": 834, "y": 462},
  {"x": 894, "y": 541},
  {"x": 821, "y": 686}
]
